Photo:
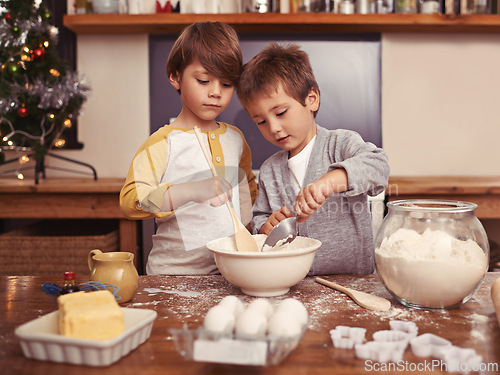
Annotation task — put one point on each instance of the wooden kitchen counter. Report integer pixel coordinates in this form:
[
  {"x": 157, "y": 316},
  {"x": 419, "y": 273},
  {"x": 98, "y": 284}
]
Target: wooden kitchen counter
[
  {"x": 482, "y": 190},
  {"x": 68, "y": 198},
  {"x": 185, "y": 300}
]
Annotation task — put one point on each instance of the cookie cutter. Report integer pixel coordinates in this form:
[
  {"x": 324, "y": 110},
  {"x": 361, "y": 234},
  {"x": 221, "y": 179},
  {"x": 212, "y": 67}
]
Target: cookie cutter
[
  {"x": 399, "y": 338},
  {"x": 463, "y": 360},
  {"x": 346, "y": 337},
  {"x": 379, "y": 351},
  {"x": 429, "y": 345},
  {"x": 409, "y": 327}
]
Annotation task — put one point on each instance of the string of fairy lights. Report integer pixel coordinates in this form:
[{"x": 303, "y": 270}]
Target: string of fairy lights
[{"x": 36, "y": 104}]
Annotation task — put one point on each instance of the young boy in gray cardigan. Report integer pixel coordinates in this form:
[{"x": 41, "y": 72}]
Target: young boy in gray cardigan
[{"x": 321, "y": 176}]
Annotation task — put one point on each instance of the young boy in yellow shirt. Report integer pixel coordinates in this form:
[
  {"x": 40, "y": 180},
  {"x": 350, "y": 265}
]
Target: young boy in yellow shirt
[{"x": 169, "y": 178}]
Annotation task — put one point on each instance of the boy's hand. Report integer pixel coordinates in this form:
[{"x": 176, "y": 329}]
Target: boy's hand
[
  {"x": 273, "y": 220},
  {"x": 312, "y": 197},
  {"x": 216, "y": 191}
]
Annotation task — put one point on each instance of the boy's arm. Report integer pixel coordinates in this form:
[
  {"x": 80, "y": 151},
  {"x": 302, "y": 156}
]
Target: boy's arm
[
  {"x": 214, "y": 190},
  {"x": 360, "y": 168},
  {"x": 142, "y": 194},
  {"x": 312, "y": 197},
  {"x": 145, "y": 196},
  {"x": 365, "y": 164},
  {"x": 261, "y": 209}
]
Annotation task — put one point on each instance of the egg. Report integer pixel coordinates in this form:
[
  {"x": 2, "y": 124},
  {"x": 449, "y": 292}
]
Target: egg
[
  {"x": 251, "y": 323},
  {"x": 219, "y": 320},
  {"x": 262, "y": 305},
  {"x": 233, "y": 304},
  {"x": 284, "y": 324},
  {"x": 295, "y": 307}
]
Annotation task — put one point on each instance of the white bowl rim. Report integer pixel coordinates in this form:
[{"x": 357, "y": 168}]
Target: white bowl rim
[{"x": 267, "y": 254}]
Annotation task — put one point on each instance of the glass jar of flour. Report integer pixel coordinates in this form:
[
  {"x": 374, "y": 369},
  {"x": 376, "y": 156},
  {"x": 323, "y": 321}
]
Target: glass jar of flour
[{"x": 431, "y": 254}]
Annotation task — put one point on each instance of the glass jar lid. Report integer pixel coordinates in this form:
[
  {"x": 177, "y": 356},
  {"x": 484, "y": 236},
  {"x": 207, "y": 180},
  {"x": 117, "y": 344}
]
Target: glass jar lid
[{"x": 432, "y": 205}]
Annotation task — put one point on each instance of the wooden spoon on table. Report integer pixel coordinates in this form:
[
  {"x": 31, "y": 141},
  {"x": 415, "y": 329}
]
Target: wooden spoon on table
[
  {"x": 244, "y": 240},
  {"x": 365, "y": 300}
]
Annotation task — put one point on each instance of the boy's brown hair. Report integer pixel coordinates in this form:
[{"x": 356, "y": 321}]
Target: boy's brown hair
[
  {"x": 214, "y": 44},
  {"x": 277, "y": 65}
]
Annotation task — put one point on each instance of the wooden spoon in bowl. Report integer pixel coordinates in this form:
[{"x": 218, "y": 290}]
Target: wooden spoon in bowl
[
  {"x": 244, "y": 240},
  {"x": 365, "y": 300}
]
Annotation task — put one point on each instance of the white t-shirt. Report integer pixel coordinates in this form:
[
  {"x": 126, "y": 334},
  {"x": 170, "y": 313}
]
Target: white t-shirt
[{"x": 298, "y": 166}]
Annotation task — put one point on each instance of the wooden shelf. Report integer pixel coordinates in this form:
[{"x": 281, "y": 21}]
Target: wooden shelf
[
  {"x": 482, "y": 190},
  {"x": 173, "y": 23}
]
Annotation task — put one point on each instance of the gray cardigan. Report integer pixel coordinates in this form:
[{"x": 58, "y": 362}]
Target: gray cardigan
[{"x": 343, "y": 223}]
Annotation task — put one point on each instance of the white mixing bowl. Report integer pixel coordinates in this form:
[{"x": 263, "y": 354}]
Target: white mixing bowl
[{"x": 264, "y": 274}]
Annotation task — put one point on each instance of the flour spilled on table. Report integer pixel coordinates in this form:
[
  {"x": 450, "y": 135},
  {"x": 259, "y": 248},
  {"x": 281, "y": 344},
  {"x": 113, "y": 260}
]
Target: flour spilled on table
[
  {"x": 480, "y": 326},
  {"x": 155, "y": 291},
  {"x": 182, "y": 301}
]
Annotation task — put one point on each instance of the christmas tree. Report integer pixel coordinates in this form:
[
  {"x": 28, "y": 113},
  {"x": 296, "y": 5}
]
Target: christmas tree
[{"x": 39, "y": 96}]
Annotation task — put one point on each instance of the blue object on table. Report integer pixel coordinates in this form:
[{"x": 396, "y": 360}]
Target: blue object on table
[{"x": 55, "y": 290}]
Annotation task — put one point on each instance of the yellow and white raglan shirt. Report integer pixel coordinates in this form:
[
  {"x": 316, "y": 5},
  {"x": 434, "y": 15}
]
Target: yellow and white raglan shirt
[{"x": 171, "y": 156}]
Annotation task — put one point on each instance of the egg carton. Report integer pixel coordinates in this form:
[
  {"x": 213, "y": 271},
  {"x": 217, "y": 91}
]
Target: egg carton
[
  {"x": 257, "y": 334},
  {"x": 201, "y": 345}
]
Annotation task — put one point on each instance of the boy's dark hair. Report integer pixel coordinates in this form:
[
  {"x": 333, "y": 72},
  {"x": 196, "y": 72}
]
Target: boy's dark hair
[
  {"x": 277, "y": 65},
  {"x": 214, "y": 44}
]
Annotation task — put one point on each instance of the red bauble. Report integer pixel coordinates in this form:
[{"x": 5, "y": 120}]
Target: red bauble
[
  {"x": 22, "y": 112},
  {"x": 8, "y": 18},
  {"x": 39, "y": 53}
]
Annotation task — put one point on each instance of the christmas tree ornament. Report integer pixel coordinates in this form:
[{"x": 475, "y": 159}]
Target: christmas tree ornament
[
  {"x": 23, "y": 112},
  {"x": 39, "y": 54},
  {"x": 24, "y": 159},
  {"x": 8, "y": 18},
  {"x": 13, "y": 68},
  {"x": 26, "y": 54}
]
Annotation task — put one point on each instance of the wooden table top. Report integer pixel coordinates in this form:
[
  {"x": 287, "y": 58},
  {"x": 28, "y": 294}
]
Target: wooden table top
[{"x": 185, "y": 300}]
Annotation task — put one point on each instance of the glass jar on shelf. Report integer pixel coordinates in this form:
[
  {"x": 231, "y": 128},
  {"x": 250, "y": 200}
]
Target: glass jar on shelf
[
  {"x": 430, "y": 6},
  {"x": 346, "y": 7},
  {"x": 480, "y": 7},
  {"x": 406, "y": 6},
  {"x": 315, "y": 6}
]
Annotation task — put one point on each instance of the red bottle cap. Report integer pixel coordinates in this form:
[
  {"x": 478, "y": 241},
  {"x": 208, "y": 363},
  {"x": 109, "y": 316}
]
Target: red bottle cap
[{"x": 69, "y": 275}]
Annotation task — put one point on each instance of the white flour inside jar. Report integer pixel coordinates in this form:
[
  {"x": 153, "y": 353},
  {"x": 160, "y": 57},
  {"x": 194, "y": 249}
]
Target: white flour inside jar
[{"x": 432, "y": 269}]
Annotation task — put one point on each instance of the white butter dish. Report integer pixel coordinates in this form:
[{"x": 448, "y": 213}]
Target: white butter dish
[{"x": 40, "y": 339}]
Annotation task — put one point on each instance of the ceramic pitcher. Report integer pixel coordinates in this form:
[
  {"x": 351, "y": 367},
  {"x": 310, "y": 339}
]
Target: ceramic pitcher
[{"x": 116, "y": 268}]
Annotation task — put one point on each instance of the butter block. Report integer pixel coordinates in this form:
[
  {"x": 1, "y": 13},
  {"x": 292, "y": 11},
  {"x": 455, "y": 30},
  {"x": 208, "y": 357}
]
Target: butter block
[{"x": 90, "y": 315}]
